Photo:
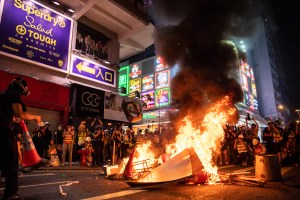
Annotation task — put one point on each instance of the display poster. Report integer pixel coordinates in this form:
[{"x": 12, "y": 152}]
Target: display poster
[
  {"x": 91, "y": 43},
  {"x": 93, "y": 71},
  {"x": 162, "y": 79},
  {"x": 86, "y": 101},
  {"x": 32, "y": 31},
  {"x": 159, "y": 64},
  {"x": 134, "y": 85},
  {"x": 124, "y": 80},
  {"x": 148, "y": 98},
  {"x": 162, "y": 97},
  {"x": 148, "y": 83},
  {"x": 135, "y": 71}
]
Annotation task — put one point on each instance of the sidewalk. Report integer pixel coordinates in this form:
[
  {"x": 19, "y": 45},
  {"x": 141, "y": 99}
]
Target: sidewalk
[{"x": 75, "y": 166}]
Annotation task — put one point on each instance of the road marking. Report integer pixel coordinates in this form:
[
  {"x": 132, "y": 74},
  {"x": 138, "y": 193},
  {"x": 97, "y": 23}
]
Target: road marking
[
  {"x": 116, "y": 194},
  {"x": 31, "y": 175},
  {"x": 284, "y": 170},
  {"x": 245, "y": 169},
  {"x": 225, "y": 166},
  {"x": 54, "y": 183}
]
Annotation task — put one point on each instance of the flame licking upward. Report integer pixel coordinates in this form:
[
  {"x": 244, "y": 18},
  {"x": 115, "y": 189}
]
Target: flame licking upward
[{"x": 205, "y": 140}]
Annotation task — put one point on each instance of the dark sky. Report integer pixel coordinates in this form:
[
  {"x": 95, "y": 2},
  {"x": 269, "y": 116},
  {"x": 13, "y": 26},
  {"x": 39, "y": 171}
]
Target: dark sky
[{"x": 287, "y": 17}]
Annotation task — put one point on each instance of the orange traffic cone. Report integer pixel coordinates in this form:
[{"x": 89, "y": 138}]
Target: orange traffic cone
[
  {"x": 30, "y": 155},
  {"x": 129, "y": 167}
]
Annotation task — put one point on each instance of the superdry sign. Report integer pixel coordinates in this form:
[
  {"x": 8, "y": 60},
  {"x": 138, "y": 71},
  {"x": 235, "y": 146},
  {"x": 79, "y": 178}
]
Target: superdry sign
[
  {"x": 87, "y": 102},
  {"x": 93, "y": 71},
  {"x": 31, "y": 31}
]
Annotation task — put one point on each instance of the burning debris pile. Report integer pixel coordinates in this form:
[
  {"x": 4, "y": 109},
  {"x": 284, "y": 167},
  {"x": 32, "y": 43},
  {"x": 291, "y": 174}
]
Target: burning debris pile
[{"x": 194, "y": 36}]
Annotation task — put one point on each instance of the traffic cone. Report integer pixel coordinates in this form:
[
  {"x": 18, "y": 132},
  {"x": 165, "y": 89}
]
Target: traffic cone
[
  {"x": 30, "y": 155},
  {"x": 129, "y": 167}
]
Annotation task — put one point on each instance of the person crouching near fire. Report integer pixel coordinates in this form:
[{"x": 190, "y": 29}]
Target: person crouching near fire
[
  {"x": 52, "y": 153},
  {"x": 85, "y": 153},
  {"x": 258, "y": 148}
]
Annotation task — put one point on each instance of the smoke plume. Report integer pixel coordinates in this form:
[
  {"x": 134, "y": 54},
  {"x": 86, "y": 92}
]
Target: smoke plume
[{"x": 195, "y": 35}]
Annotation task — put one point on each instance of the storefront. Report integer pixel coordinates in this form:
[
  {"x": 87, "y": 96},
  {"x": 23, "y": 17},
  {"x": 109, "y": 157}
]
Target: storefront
[{"x": 49, "y": 100}]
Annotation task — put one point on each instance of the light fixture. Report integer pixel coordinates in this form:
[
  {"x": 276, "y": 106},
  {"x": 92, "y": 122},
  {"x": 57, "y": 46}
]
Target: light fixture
[
  {"x": 70, "y": 10},
  {"x": 55, "y": 2}
]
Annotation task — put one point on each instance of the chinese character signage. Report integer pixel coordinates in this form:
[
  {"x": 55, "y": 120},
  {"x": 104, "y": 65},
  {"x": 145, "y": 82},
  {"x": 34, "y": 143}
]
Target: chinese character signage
[
  {"x": 93, "y": 71},
  {"x": 134, "y": 85},
  {"x": 124, "y": 79},
  {"x": 159, "y": 64},
  {"x": 135, "y": 71},
  {"x": 248, "y": 86},
  {"x": 162, "y": 79},
  {"x": 162, "y": 97},
  {"x": 148, "y": 83},
  {"x": 31, "y": 31}
]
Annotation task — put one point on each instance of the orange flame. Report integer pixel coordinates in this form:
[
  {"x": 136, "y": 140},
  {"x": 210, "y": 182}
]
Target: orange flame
[{"x": 206, "y": 141}]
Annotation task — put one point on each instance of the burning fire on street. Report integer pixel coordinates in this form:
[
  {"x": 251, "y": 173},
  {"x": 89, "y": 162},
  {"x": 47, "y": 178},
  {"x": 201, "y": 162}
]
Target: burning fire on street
[{"x": 194, "y": 38}]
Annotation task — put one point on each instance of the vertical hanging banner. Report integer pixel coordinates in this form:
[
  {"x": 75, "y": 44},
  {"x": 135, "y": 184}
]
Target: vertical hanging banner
[{"x": 32, "y": 31}]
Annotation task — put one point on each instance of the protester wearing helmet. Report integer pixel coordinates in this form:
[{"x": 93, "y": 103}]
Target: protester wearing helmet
[
  {"x": 258, "y": 148},
  {"x": 12, "y": 106}
]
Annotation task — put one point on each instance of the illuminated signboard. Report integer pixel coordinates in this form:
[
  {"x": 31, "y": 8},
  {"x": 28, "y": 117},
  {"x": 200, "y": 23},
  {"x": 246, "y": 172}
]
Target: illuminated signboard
[
  {"x": 159, "y": 64},
  {"x": 148, "y": 83},
  {"x": 162, "y": 79},
  {"x": 93, "y": 71},
  {"x": 244, "y": 82},
  {"x": 134, "y": 85},
  {"x": 162, "y": 97},
  {"x": 248, "y": 86},
  {"x": 135, "y": 71},
  {"x": 31, "y": 31},
  {"x": 124, "y": 79},
  {"x": 148, "y": 98}
]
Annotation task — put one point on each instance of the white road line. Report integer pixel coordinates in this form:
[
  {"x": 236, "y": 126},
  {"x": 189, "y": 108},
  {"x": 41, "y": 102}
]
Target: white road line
[
  {"x": 54, "y": 183},
  {"x": 284, "y": 170},
  {"x": 116, "y": 194},
  {"x": 245, "y": 169},
  {"x": 225, "y": 166},
  {"x": 31, "y": 175}
]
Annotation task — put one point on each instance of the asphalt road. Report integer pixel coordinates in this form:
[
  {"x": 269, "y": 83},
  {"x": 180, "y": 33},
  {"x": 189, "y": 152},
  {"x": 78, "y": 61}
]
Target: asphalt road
[{"x": 91, "y": 184}]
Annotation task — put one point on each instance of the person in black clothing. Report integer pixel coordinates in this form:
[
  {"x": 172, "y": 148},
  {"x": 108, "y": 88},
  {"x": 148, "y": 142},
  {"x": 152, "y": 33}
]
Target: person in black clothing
[{"x": 11, "y": 106}]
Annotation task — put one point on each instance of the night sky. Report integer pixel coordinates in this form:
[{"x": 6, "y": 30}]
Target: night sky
[{"x": 287, "y": 17}]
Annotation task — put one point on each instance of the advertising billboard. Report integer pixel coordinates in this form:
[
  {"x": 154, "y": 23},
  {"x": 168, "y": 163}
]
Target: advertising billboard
[
  {"x": 93, "y": 71},
  {"x": 134, "y": 85},
  {"x": 148, "y": 83},
  {"x": 135, "y": 71},
  {"x": 159, "y": 64},
  {"x": 162, "y": 79},
  {"x": 248, "y": 86},
  {"x": 31, "y": 31},
  {"x": 148, "y": 98},
  {"x": 162, "y": 97}
]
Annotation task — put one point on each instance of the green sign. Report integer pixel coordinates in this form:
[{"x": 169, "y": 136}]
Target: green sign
[{"x": 124, "y": 80}]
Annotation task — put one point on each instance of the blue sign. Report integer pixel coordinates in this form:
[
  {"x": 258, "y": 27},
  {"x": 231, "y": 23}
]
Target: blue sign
[
  {"x": 93, "y": 71},
  {"x": 32, "y": 31}
]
